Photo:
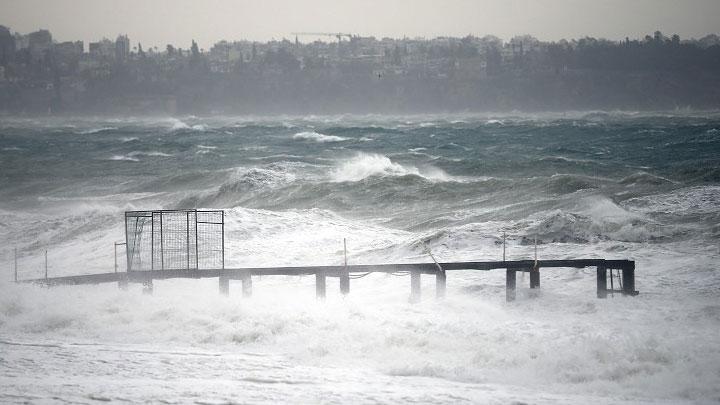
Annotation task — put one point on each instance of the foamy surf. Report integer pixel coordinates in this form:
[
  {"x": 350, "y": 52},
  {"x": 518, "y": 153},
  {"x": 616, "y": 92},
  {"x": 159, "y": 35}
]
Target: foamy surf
[
  {"x": 98, "y": 130},
  {"x": 364, "y": 165},
  {"x": 317, "y": 137}
]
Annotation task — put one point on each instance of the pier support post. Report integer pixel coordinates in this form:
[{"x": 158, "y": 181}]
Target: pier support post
[
  {"x": 224, "y": 284},
  {"x": 123, "y": 283},
  {"x": 345, "y": 283},
  {"x": 509, "y": 285},
  {"x": 535, "y": 277},
  {"x": 601, "y": 281},
  {"x": 345, "y": 275},
  {"x": 148, "y": 286},
  {"x": 320, "y": 285},
  {"x": 247, "y": 285},
  {"x": 628, "y": 279},
  {"x": 414, "y": 286},
  {"x": 440, "y": 281}
]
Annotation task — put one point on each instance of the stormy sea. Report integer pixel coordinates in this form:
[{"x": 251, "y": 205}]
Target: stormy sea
[{"x": 612, "y": 185}]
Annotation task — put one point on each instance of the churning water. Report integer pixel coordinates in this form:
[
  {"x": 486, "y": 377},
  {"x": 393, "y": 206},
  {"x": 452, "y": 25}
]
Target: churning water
[{"x": 644, "y": 187}]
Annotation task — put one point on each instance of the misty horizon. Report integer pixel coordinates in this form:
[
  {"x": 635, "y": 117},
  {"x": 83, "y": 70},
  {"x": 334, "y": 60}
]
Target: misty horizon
[
  {"x": 306, "y": 38},
  {"x": 355, "y": 74},
  {"x": 161, "y": 22}
]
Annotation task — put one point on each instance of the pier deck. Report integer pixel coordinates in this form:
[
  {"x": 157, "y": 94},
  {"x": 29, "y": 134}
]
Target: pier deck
[{"x": 626, "y": 280}]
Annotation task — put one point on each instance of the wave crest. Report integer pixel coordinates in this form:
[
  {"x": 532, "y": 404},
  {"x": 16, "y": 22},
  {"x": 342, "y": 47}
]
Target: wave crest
[
  {"x": 644, "y": 178},
  {"x": 317, "y": 137},
  {"x": 602, "y": 221},
  {"x": 97, "y": 130},
  {"x": 242, "y": 186},
  {"x": 364, "y": 165}
]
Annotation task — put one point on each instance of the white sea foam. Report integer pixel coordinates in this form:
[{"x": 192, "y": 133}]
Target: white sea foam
[
  {"x": 124, "y": 157},
  {"x": 318, "y": 137},
  {"x": 134, "y": 156},
  {"x": 204, "y": 149},
  {"x": 700, "y": 200},
  {"x": 149, "y": 153},
  {"x": 552, "y": 343},
  {"x": 596, "y": 219},
  {"x": 364, "y": 165},
  {"x": 176, "y": 124},
  {"x": 98, "y": 130}
]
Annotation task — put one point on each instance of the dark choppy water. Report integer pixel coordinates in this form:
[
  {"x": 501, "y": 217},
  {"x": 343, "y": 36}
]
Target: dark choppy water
[{"x": 419, "y": 170}]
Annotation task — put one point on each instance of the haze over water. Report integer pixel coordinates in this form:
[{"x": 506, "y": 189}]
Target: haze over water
[{"x": 644, "y": 187}]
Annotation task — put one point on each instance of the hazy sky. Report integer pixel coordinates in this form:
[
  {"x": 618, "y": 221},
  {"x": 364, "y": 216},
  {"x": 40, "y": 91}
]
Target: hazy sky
[{"x": 158, "y": 22}]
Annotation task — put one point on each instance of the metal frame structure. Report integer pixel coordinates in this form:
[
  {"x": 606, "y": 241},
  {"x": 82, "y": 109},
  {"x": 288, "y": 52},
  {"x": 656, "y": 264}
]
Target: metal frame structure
[{"x": 177, "y": 240}]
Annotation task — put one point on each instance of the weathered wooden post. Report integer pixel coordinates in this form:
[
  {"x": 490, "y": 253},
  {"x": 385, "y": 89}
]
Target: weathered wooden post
[
  {"x": 345, "y": 275},
  {"x": 122, "y": 281},
  {"x": 510, "y": 285},
  {"x": 628, "y": 279},
  {"x": 440, "y": 276},
  {"x": 414, "y": 286},
  {"x": 601, "y": 281},
  {"x": 503, "y": 245},
  {"x": 320, "y": 284},
  {"x": 535, "y": 276},
  {"x": 345, "y": 283},
  {"x": 148, "y": 285},
  {"x": 246, "y": 285},
  {"x": 224, "y": 284},
  {"x": 440, "y": 284},
  {"x": 115, "y": 252}
]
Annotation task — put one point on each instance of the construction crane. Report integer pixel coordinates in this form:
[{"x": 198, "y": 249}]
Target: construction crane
[{"x": 338, "y": 35}]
